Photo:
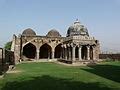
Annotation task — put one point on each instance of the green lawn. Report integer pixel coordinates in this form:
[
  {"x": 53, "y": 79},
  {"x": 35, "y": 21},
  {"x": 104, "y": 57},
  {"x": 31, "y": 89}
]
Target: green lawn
[{"x": 51, "y": 76}]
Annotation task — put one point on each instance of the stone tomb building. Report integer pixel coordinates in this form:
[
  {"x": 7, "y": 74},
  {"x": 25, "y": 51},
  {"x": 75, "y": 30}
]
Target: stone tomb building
[{"x": 78, "y": 45}]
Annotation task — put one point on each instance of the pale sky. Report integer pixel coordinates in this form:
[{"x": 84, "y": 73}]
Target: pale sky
[{"x": 101, "y": 17}]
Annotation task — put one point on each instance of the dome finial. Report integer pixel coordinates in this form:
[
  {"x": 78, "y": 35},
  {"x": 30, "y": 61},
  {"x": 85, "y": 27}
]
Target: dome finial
[{"x": 77, "y": 21}]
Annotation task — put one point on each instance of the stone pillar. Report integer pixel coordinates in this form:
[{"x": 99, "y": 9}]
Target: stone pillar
[
  {"x": 94, "y": 53},
  {"x": 53, "y": 53},
  {"x": 63, "y": 53},
  {"x": 69, "y": 52},
  {"x": 38, "y": 52},
  {"x": 79, "y": 52},
  {"x": 88, "y": 52},
  {"x": 17, "y": 54},
  {"x": 66, "y": 53},
  {"x": 73, "y": 53}
]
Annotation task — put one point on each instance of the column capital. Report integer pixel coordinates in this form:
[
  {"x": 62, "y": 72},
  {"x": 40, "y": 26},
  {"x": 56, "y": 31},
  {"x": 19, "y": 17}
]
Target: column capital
[
  {"x": 68, "y": 45},
  {"x": 88, "y": 47},
  {"x": 53, "y": 50},
  {"x": 73, "y": 45},
  {"x": 62, "y": 45},
  {"x": 80, "y": 46},
  {"x": 65, "y": 46},
  {"x": 38, "y": 50},
  {"x": 93, "y": 46}
]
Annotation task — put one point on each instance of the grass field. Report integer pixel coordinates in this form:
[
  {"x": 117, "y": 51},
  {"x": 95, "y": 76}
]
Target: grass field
[{"x": 51, "y": 76}]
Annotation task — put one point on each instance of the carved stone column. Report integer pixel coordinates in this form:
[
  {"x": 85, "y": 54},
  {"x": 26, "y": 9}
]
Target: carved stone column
[
  {"x": 79, "y": 52},
  {"x": 88, "y": 52}
]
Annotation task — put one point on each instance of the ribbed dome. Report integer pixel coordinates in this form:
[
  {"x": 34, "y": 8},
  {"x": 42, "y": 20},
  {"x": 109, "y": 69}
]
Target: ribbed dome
[
  {"x": 77, "y": 29},
  {"x": 28, "y": 32},
  {"x": 53, "y": 33}
]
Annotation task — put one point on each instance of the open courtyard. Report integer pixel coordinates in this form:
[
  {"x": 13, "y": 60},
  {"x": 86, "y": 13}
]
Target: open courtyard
[{"x": 52, "y": 76}]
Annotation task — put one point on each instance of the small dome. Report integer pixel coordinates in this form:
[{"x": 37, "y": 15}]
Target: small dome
[
  {"x": 53, "y": 33},
  {"x": 77, "y": 29},
  {"x": 28, "y": 32}
]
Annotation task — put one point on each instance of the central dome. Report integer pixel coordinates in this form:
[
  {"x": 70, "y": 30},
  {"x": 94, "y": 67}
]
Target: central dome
[
  {"x": 28, "y": 32},
  {"x": 53, "y": 33},
  {"x": 77, "y": 29}
]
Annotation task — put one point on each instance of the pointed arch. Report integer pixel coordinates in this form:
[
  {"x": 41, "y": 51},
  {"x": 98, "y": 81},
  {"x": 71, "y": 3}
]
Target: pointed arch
[
  {"x": 45, "y": 51},
  {"x": 29, "y": 51},
  {"x": 58, "y": 51},
  {"x": 29, "y": 41}
]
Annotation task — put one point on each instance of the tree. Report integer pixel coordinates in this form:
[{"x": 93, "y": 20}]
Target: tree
[{"x": 8, "y": 45}]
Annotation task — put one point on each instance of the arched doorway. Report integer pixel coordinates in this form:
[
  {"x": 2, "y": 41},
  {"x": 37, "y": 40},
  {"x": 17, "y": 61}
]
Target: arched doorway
[
  {"x": 29, "y": 51},
  {"x": 76, "y": 52},
  {"x": 45, "y": 51},
  {"x": 84, "y": 52},
  {"x": 58, "y": 51},
  {"x": 91, "y": 53}
]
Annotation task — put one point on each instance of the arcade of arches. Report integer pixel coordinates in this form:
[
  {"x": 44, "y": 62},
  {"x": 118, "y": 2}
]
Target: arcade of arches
[{"x": 84, "y": 52}]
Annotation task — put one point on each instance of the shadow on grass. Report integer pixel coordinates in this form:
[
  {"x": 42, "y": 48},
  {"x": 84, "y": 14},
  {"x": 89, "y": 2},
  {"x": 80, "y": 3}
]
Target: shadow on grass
[
  {"x": 107, "y": 71},
  {"x": 51, "y": 83}
]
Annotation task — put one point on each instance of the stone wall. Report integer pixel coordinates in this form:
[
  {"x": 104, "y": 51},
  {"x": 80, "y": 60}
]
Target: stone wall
[
  {"x": 110, "y": 56},
  {"x": 6, "y": 59},
  {"x": 9, "y": 57}
]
